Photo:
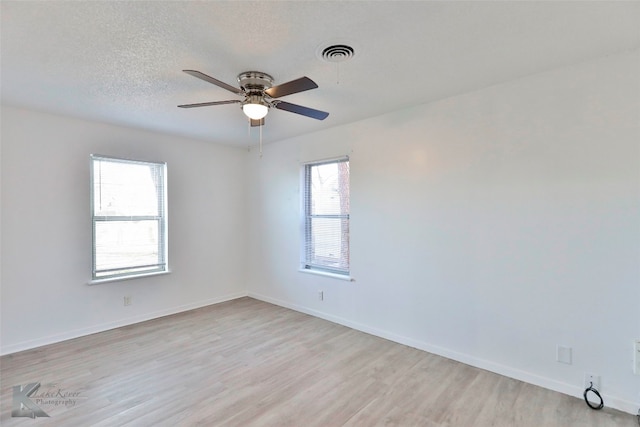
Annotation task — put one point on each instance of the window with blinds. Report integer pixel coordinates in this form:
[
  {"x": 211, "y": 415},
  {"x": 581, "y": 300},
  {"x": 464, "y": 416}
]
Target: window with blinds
[
  {"x": 326, "y": 216},
  {"x": 129, "y": 217}
]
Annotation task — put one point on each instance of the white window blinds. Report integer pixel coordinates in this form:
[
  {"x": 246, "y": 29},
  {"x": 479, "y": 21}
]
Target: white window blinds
[
  {"x": 128, "y": 206},
  {"x": 326, "y": 216}
]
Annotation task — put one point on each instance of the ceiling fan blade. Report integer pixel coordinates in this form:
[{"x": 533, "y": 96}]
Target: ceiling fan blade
[
  {"x": 299, "y": 109},
  {"x": 257, "y": 122},
  {"x": 294, "y": 86},
  {"x": 207, "y": 104},
  {"x": 216, "y": 82}
]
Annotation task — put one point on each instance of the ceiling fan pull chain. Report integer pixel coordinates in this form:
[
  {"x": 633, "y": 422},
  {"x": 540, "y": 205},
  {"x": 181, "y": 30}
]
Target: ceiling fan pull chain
[{"x": 260, "y": 141}]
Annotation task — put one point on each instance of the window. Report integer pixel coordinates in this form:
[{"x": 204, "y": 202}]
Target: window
[
  {"x": 326, "y": 216},
  {"x": 128, "y": 210}
]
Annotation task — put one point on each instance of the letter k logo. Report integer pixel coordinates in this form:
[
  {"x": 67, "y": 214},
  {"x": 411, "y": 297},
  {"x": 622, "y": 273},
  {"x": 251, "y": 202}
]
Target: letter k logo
[{"x": 22, "y": 405}]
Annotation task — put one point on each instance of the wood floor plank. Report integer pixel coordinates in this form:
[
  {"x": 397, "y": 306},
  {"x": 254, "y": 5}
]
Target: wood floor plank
[{"x": 249, "y": 363}]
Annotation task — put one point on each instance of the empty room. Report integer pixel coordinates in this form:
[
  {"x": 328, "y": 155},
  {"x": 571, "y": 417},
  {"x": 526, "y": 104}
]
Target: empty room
[{"x": 320, "y": 213}]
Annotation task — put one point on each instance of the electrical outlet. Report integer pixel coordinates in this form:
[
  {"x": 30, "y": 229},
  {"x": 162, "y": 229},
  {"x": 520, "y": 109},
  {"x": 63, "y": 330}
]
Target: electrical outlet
[
  {"x": 127, "y": 300},
  {"x": 591, "y": 380},
  {"x": 320, "y": 295},
  {"x": 636, "y": 357}
]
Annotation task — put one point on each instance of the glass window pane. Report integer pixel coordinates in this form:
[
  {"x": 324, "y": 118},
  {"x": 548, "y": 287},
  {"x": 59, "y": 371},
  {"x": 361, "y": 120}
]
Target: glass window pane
[
  {"x": 125, "y": 189},
  {"x": 329, "y": 188},
  {"x": 328, "y": 243},
  {"x": 120, "y": 244}
]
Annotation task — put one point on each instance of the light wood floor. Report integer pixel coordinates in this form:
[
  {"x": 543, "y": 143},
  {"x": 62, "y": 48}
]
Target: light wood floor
[{"x": 249, "y": 363}]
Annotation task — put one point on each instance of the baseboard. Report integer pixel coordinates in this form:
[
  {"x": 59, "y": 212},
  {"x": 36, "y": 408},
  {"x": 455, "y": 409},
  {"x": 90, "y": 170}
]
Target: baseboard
[
  {"x": 52, "y": 339},
  {"x": 544, "y": 382}
]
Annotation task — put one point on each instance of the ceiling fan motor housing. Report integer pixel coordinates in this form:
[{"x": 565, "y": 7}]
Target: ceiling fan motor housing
[{"x": 255, "y": 81}]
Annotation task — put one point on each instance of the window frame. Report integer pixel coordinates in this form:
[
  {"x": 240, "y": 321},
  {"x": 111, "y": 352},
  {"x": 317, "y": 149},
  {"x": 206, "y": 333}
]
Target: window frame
[
  {"x": 161, "y": 193},
  {"x": 306, "y": 265}
]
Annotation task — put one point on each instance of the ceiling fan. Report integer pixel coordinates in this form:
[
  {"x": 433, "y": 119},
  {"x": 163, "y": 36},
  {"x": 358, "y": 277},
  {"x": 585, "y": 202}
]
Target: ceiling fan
[{"x": 259, "y": 95}]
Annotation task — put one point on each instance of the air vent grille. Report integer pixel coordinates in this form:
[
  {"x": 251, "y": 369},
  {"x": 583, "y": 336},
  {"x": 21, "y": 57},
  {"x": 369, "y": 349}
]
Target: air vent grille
[{"x": 337, "y": 53}]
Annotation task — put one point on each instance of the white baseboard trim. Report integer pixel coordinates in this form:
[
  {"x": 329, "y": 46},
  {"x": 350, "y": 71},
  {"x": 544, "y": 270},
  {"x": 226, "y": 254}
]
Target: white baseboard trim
[
  {"x": 544, "y": 382},
  {"x": 52, "y": 339}
]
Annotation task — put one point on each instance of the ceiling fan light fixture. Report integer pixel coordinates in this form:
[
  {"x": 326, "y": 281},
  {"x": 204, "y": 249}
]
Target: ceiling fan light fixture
[{"x": 255, "y": 109}]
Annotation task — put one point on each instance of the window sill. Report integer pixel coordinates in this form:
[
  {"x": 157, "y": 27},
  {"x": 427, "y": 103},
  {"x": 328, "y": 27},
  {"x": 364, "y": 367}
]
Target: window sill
[
  {"x": 327, "y": 274},
  {"x": 119, "y": 279}
]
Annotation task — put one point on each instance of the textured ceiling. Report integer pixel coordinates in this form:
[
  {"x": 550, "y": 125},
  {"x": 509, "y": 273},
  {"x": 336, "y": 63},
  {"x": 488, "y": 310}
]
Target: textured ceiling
[{"x": 121, "y": 62}]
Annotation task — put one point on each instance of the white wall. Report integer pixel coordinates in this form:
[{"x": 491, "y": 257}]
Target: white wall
[
  {"x": 46, "y": 228},
  {"x": 489, "y": 227}
]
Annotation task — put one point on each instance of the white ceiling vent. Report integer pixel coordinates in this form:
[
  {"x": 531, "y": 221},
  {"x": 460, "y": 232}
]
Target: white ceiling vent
[{"x": 337, "y": 53}]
